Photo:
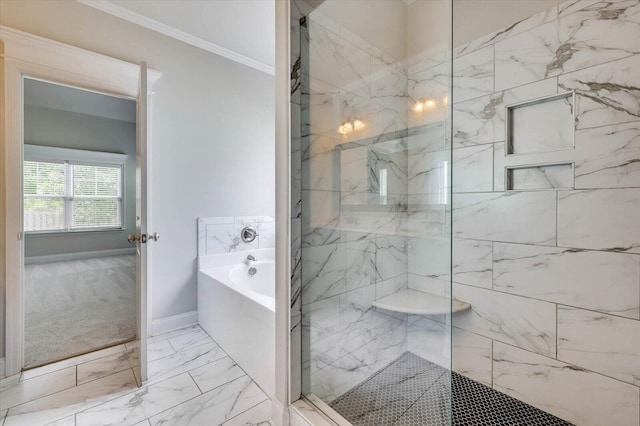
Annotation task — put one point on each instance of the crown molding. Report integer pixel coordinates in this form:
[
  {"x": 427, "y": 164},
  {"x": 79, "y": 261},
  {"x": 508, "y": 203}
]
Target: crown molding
[
  {"x": 169, "y": 31},
  {"x": 33, "y": 49}
]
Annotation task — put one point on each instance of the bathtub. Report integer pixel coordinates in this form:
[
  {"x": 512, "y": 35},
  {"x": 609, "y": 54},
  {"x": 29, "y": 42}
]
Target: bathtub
[{"x": 238, "y": 310}]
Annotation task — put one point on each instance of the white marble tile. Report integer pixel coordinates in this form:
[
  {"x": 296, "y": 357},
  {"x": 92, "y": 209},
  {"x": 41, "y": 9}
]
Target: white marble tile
[
  {"x": 430, "y": 257},
  {"x": 221, "y": 238},
  {"x": 522, "y": 217},
  {"x": 308, "y": 411},
  {"x": 259, "y": 415},
  {"x": 214, "y": 407},
  {"x": 528, "y": 23},
  {"x": 430, "y": 340},
  {"x": 267, "y": 238},
  {"x": 390, "y": 257},
  {"x": 183, "y": 361},
  {"x": 135, "y": 407},
  {"x": 482, "y": 120},
  {"x": 598, "y": 33},
  {"x": 107, "y": 366},
  {"x": 573, "y": 6},
  {"x": 427, "y": 171},
  {"x": 320, "y": 219},
  {"x": 389, "y": 85},
  {"x": 601, "y": 219},
  {"x": 608, "y": 157},
  {"x": 499, "y": 174},
  {"x": 190, "y": 340},
  {"x": 526, "y": 323},
  {"x": 473, "y": 169},
  {"x": 432, "y": 84},
  {"x": 6, "y": 381},
  {"x": 472, "y": 355},
  {"x": 427, "y": 284},
  {"x": 69, "y": 421},
  {"x": 602, "y": 343},
  {"x": 63, "y": 404},
  {"x": 20, "y": 392},
  {"x": 28, "y": 374},
  {"x": 391, "y": 286},
  {"x": 473, "y": 75},
  {"x": 554, "y": 176},
  {"x": 217, "y": 373},
  {"x": 169, "y": 334},
  {"x": 323, "y": 271},
  {"x": 601, "y": 281},
  {"x": 606, "y": 94},
  {"x": 527, "y": 57},
  {"x": 337, "y": 62},
  {"x": 542, "y": 126},
  {"x": 571, "y": 393},
  {"x": 472, "y": 262},
  {"x": 159, "y": 350}
]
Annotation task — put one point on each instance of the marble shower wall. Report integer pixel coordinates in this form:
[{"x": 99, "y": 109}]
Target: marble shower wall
[
  {"x": 552, "y": 271},
  {"x": 353, "y": 244}
]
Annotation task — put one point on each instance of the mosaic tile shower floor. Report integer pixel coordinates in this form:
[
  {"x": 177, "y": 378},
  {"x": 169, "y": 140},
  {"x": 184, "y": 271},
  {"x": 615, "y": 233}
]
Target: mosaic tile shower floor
[{"x": 412, "y": 391}]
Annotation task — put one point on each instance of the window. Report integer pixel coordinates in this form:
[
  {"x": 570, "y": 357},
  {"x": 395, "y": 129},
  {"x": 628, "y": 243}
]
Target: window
[{"x": 70, "y": 190}]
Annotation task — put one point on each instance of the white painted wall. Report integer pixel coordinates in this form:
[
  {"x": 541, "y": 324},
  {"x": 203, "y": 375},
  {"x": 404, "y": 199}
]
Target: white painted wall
[{"x": 213, "y": 133}]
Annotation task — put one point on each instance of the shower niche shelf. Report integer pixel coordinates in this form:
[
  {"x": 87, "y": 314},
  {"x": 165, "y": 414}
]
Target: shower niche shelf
[{"x": 416, "y": 302}]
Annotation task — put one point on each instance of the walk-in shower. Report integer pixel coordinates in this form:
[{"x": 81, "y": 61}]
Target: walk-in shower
[{"x": 466, "y": 210}]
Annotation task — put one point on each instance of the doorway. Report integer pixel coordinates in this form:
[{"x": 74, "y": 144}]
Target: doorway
[{"x": 79, "y": 195}]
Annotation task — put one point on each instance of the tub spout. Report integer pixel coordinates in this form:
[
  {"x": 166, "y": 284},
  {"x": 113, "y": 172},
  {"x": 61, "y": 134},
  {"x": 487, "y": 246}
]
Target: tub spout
[{"x": 250, "y": 258}]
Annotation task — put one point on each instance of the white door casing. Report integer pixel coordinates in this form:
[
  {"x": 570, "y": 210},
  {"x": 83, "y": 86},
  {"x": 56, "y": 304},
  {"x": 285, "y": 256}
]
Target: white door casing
[{"x": 27, "y": 55}]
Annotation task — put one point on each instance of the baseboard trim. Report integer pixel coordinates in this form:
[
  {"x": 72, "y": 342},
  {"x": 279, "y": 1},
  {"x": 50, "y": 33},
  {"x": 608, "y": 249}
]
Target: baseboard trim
[
  {"x": 163, "y": 325},
  {"x": 78, "y": 256},
  {"x": 2, "y": 368}
]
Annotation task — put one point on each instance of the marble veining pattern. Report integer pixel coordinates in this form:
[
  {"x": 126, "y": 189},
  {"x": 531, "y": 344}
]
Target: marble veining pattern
[{"x": 212, "y": 392}]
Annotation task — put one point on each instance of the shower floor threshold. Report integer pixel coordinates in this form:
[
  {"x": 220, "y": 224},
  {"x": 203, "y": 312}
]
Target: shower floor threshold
[{"x": 416, "y": 302}]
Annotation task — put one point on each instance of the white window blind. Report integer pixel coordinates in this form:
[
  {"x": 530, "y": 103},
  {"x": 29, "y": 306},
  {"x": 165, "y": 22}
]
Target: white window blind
[{"x": 69, "y": 195}]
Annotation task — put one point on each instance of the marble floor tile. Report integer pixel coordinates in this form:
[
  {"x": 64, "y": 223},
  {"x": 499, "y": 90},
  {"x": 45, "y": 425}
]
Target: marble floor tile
[
  {"x": 213, "y": 407},
  {"x": 107, "y": 366},
  {"x": 45, "y": 369},
  {"x": 217, "y": 373},
  {"x": 24, "y": 391},
  {"x": 171, "y": 334},
  {"x": 182, "y": 362},
  {"x": 64, "y": 404},
  {"x": 68, "y": 421},
  {"x": 146, "y": 402},
  {"x": 259, "y": 415},
  {"x": 190, "y": 340}
]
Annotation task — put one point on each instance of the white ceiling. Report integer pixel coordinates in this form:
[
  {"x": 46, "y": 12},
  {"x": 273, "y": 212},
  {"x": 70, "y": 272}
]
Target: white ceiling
[{"x": 243, "y": 26}]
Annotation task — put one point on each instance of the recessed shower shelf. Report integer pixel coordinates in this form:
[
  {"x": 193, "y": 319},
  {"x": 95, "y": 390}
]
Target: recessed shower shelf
[{"x": 411, "y": 301}]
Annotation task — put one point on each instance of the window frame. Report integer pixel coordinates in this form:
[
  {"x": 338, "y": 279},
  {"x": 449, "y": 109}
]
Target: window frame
[{"x": 70, "y": 157}]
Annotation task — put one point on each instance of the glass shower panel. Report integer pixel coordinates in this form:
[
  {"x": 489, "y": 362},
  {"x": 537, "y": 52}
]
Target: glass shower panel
[{"x": 376, "y": 197}]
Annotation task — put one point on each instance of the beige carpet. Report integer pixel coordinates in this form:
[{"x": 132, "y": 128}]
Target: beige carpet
[{"x": 78, "y": 306}]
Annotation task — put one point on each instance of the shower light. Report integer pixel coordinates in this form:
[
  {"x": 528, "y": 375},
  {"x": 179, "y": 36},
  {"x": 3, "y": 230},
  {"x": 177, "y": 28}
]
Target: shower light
[{"x": 349, "y": 126}]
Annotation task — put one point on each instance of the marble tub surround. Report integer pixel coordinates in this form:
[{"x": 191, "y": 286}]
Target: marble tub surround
[
  {"x": 195, "y": 385},
  {"x": 217, "y": 235}
]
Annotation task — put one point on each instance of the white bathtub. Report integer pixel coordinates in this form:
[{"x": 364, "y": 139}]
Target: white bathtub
[{"x": 238, "y": 310}]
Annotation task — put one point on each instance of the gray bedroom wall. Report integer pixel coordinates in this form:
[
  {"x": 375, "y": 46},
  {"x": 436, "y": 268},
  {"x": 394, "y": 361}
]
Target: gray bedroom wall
[{"x": 64, "y": 129}]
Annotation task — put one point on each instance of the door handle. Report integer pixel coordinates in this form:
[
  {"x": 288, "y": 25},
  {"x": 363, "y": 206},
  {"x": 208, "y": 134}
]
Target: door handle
[{"x": 143, "y": 238}]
